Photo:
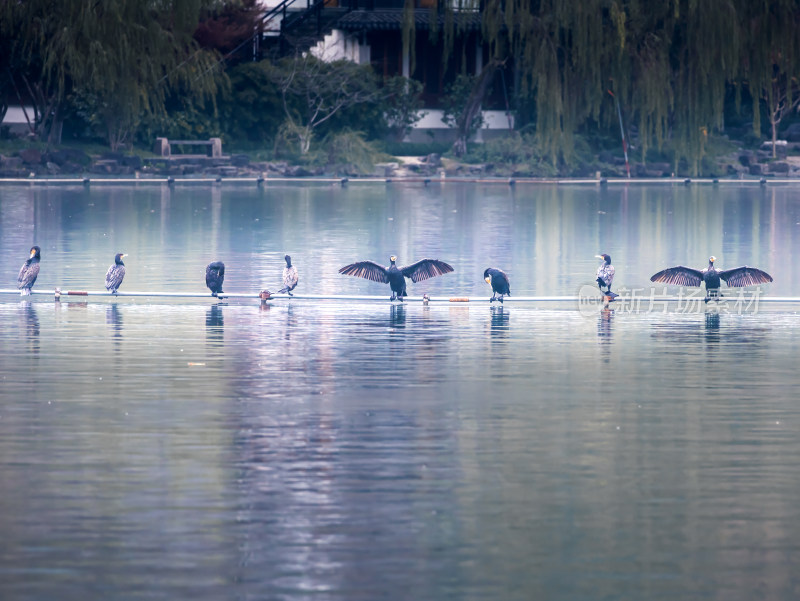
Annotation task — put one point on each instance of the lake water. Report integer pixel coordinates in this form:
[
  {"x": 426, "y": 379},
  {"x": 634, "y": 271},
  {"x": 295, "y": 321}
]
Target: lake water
[{"x": 157, "y": 449}]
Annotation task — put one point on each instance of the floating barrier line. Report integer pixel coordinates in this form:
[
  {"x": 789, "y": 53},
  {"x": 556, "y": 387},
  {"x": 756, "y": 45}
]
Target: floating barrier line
[
  {"x": 63, "y": 293},
  {"x": 262, "y": 181},
  {"x": 634, "y": 300}
]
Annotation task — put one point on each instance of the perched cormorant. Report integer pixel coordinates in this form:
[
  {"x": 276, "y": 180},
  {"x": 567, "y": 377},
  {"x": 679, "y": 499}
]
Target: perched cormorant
[
  {"x": 605, "y": 274},
  {"x": 29, "y": 271},
  {"x": 289, "y": 277},
  {"x": 499, "y": 282},
  {"x": 396, "y": 276},
  {"x": 115, "y": 273},
  {"x": 215, "y": 274},
  {"x": 736, "y": 277}
]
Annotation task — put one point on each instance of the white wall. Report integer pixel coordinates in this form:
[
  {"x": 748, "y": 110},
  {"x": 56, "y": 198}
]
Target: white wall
[
  {"x": 15, "y": 119},
  {"x": 338, "y": 45},
  {"x": 492, "y": 120}
]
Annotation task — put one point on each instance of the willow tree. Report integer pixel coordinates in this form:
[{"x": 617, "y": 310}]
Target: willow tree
[
  {"x": 121, "y": 57},
  {"x": 669, "y": 63},
  {"x": 770, "y": 58}
]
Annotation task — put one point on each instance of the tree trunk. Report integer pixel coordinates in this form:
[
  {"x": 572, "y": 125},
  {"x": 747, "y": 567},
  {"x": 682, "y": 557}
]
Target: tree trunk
[
  {"x": 56, "y": 127},
  {"x": 305, "y": 142},
  {"x": 774, "y": 137},
  {"x": 473, "y": 106}
]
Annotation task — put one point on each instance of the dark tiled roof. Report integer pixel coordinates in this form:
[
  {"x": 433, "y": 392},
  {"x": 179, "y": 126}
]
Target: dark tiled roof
[{"x": 392, "y": 18}]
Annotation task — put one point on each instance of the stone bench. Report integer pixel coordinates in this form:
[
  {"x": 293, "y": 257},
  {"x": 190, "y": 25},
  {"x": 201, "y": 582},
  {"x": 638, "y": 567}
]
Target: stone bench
[{"x": 163, "y": 147}]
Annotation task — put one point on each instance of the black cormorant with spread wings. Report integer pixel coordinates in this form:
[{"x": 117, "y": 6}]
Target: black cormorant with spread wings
[
  {"x": 736, "y": 277},
  {"x": 29, "y": 271},
  {"x": 115, "y": 274},
  {"x": 396, "y": 276},
  {"x": 498, "y": 280},
  {"x": 290, "y": 277},
  {"x": 215, "y": 274}
]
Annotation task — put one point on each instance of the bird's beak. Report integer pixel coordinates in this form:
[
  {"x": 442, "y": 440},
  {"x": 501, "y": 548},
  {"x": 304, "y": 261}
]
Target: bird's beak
[
  {"x": 488, "y": 280},
  {"x": 598, "y": 256},
  {"x": 33, "y": 253},
  {"x": 125, "y": 255}
]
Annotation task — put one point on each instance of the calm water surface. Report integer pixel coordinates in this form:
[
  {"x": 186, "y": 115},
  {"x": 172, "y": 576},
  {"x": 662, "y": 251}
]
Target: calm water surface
[{"x": 361, "y": 451}]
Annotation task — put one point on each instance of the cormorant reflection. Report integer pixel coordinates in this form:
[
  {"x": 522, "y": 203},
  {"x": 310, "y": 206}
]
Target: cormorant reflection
[
  {"x": 291, "y": 322},
  {"x": 397, "y": 317},
  {"x": 215, "y": 324},
  {"x": 731, "y": 331},
  {"x": 30, "y": 325},
  {"x": 499, "y": 325},
  {"x": 114, "y": 320},
  {"x": 604, "y": 332},
  {"x": 712, "y": 327}
]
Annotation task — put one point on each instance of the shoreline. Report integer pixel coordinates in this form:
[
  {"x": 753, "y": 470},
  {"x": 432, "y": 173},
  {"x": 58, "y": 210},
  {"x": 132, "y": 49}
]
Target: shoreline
[{"x": 344, "y": 181}]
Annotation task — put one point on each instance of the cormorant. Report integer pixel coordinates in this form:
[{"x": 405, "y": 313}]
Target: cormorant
[
  {"x": 499, "y": 282},
  {"x": 605, "y": 274},
  {"x": 29, "y": 271},
  {"x": 215, "y": 274},
  {"x": 115, "y": 273},
  {"x": 396, "y": 276},
  {"x": 289, "y": 277},
  {"x": 736, "y": 277}
]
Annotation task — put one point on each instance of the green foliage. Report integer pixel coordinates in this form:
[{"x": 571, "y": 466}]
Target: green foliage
[
  {"x": 402, "y": 105},
  {"x": 455, "y": 102},
  {"x": 518, "y": 154},
  {"x": 314, "y": 92},
  {"x": 670, "y": 64},
  {"x": 251, "y": 109},
  {"x": 348, "y": 153},
  {"x": 345, "y": 153},
  {"x": 188, "y": 122},
  {"x": 122, "y": 57}
]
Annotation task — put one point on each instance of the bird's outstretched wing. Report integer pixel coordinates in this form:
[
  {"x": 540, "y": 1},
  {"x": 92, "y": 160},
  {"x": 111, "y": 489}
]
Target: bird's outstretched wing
[
  {"x": 745, "y": 276},
  {"x": 425, "y": 268},
  {"x": 679, "y": 276},
  {"x": 27, "y": 275},
  {"x": 367, "y": 270}
]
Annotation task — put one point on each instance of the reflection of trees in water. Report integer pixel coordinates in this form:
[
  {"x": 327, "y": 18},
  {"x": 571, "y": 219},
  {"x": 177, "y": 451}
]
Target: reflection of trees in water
[{"x": 314, "y": 487}]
